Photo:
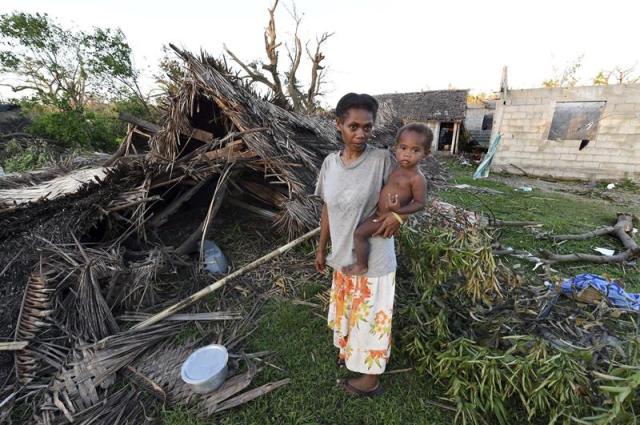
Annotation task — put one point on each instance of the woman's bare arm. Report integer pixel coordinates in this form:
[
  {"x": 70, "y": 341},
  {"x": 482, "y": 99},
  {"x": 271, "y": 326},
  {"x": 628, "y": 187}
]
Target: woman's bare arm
[{"x": 324, "y": 239}]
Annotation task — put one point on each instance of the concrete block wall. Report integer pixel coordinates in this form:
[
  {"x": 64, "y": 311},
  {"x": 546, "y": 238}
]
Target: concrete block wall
[
  {"x": 524, "y": 118},
  {"x": 474, "y": 116},
  {"x": 435, "y": 128}
]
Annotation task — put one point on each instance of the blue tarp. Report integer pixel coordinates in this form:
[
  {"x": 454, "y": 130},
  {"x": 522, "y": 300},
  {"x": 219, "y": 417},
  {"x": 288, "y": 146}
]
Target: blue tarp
[{"x": 610, "y": 290}]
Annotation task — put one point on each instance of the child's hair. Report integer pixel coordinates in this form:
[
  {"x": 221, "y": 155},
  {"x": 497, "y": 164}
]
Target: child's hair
[
  {"x": 356, "y": 101},
  {"x": 420, "y": 128}
]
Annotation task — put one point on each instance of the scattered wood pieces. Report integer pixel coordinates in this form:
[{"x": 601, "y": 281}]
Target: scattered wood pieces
[{"x": 251, "y": 394}]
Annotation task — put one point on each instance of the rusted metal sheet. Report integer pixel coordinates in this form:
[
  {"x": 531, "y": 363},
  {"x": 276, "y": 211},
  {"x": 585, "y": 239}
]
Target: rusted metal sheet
[{"x": 576, "y": 120}]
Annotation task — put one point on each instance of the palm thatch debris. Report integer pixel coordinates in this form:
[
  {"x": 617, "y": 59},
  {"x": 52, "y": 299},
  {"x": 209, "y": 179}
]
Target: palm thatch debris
[
  {"x": 86, "y": 270},
  {"x": 92, "y": 251}
]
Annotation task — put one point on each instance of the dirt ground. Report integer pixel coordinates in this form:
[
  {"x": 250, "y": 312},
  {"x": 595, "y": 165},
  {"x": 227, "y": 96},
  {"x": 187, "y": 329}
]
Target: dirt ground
[{"x": 578, "y": 189}]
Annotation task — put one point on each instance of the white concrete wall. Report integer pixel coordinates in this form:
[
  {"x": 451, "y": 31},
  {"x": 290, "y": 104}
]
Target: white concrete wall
[
  {"x": 474, "y": 116},
  {"x": 435, "y": 128},
  {"x": 524, "y": 120}
]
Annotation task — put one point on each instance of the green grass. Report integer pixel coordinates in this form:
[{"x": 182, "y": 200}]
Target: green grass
[
  {"x": 304, "y": 350},
  {"x": 558, "y": 213},
  {"x": 303, "y": 342}
]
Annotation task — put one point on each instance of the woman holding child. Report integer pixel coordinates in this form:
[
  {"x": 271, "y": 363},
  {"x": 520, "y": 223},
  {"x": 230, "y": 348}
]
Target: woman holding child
[{"x": 366, "y": 198}]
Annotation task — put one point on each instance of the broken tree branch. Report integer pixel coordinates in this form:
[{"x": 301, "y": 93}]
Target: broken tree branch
[
  {"x": 317, "y": 72},
  {"x": 622, "y": 257},
  {"x": 295, "y": 56},
  {"x": 621, "y": 230},
  {"x": 583, "y": 236},
  {"x": 145, "y": 125}
]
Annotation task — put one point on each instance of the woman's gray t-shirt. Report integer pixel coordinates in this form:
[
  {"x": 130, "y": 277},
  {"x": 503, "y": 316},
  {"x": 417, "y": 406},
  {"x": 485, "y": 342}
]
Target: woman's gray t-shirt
[{"x": 351, "y": 194}]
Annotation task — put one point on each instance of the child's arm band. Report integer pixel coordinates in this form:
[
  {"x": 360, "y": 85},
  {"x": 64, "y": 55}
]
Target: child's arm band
[{"x": 397, "y": 216}]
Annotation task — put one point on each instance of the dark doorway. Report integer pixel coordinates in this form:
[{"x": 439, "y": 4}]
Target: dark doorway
[{"x": 446, "y": 136}]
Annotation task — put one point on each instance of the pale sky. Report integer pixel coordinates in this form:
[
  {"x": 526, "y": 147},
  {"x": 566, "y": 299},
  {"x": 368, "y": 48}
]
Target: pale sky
[{"x": 383, "y": 46}]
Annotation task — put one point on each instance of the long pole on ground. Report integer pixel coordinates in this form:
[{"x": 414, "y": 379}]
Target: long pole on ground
[{"x": 209, "y": 289}]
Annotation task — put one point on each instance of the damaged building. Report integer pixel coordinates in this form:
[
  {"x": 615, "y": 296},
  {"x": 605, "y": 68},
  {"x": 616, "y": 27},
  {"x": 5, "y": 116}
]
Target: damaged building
[
  {"x": 478, "y": 121},
  {"x": 442, "y": 110},
  {"x": 587, "y": 133}
]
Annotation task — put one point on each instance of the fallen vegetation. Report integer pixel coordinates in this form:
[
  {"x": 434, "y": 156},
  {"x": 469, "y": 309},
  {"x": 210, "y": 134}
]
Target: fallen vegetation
[{"x": 500, "y": 345}]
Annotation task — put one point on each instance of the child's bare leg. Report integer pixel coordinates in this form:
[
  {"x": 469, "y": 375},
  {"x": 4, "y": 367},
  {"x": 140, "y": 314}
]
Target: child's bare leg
[{"x": 361, "y": 244}]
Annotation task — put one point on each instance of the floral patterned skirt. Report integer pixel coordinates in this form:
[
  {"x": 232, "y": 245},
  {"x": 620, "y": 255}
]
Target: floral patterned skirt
[{"x": 360, "y": 316}]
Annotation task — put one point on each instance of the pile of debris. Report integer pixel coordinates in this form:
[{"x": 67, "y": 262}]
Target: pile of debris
[
  {"x": 88, "y": 250},
  {"x": 560, "y": 352}
]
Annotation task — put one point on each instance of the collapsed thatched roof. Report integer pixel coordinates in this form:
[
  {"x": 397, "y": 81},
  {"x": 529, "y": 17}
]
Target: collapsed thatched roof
[
  {"x": 438, "y": 105},
  {"x": 211, "y": 100},
  {"x": 289, "y": 148},
  {"x": 218, "y": 142}
]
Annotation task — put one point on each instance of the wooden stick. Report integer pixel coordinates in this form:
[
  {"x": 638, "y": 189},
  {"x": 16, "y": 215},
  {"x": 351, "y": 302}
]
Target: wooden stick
[
  {"x": 583, "y": 236},
  {"x": 164, "y": 215},
  {"x": 122, "y": 149},
  {"x": 216, "y": 202},
  {"x": 146, "y": 125},
  {"x": 270, "y": 215},
  {"x": 506, "y": 223},
  {"x": 209, "y": 289},
  {"x": 622, "y": 257},
  {"x": 620, "y": 230}
]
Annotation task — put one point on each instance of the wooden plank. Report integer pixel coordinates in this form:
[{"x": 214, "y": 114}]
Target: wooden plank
[
  {"x": 201, "y": 135},
  {"x": 152, "y": 128},
  {"x": 224, "y": 152},
  {"x": 145, "y": 125},
  {"x": 266, "y": 194},
  {"x": 232, "y": 151}
]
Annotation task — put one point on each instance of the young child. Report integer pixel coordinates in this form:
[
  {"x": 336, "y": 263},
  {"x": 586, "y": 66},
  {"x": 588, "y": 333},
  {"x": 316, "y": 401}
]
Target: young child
[{"x": 404, "y": 192}]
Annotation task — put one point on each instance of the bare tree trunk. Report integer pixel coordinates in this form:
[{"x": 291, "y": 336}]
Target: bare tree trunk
[
  {"x": 317, "y": 73},
  {"x": 296, "y": 98}
]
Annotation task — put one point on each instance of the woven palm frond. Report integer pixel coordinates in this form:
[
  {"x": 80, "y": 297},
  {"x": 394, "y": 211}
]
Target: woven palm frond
[
  {"x": 86, "y": 312},
  {"x": 52, "y": 189},
  {"x": 82, "y": 383},
  {"x": 36, "y": 308}
]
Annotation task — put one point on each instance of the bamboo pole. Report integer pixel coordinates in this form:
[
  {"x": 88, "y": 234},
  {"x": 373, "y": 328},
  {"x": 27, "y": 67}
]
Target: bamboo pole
[{"x": 209, "y": 289}]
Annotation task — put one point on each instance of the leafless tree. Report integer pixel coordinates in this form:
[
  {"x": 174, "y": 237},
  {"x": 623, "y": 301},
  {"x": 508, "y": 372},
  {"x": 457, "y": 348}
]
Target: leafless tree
[
  {"x": 619, "y": 75},
  {"x": 290, "y": 94}
]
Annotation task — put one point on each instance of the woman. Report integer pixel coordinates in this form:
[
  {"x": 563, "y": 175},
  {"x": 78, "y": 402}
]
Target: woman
[{"x": 361, "y": 306}]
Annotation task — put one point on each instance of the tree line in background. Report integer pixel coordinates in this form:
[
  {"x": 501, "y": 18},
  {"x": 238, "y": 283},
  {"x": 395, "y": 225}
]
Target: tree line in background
[
  {"x": 568, "y": 75},
  {"x": 72, "y": 83}
]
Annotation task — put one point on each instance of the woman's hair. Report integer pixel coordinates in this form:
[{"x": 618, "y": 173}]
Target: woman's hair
[
  {"x": 356, "y": 101},
  {"x": 421, "y": 129}
]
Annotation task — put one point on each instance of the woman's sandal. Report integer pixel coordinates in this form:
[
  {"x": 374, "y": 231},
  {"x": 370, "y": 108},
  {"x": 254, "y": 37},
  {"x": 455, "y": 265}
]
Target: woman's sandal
[
  {"x": 340, "y": 362},
  {"x": 351, "y": 390}
]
